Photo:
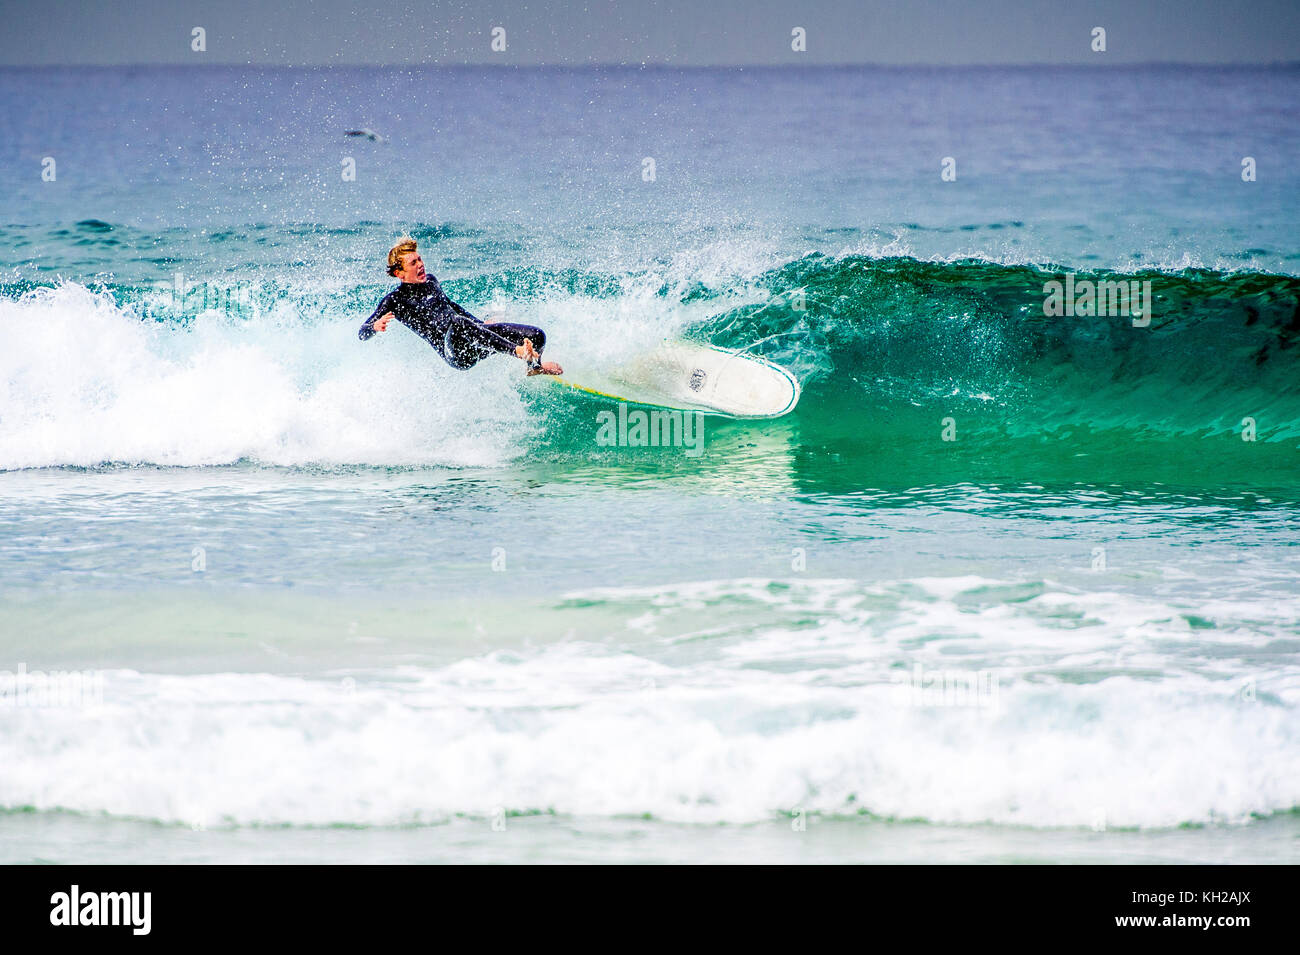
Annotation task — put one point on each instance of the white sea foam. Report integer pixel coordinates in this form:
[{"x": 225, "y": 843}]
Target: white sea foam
[
  {"x": 1115, "y": 719},
  {"x": 84, "y": 382}
]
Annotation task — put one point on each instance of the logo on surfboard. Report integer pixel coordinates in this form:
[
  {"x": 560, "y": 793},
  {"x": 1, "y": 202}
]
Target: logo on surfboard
[{"x": 697, "y": 379}]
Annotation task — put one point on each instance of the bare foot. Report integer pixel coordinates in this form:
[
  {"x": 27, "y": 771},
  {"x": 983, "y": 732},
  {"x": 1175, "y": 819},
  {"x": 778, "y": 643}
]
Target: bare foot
[
  {"x": 547, "y": 368},
  {"x": 526, "y": 351}
]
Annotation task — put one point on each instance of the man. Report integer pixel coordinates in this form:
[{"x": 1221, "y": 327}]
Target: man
[{"x": 421, "y": 305}]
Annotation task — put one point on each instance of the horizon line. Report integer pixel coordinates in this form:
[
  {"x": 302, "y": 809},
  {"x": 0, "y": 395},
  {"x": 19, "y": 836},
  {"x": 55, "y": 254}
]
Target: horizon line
[{"x": 659, "y": 64}]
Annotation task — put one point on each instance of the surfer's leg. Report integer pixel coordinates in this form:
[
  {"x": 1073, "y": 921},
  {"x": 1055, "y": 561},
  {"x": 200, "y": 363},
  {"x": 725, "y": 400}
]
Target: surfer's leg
[
  {"x": 464, "y": 346},
  {"x": 517, "y": 333},
  {"x": 467, "y": 342}
]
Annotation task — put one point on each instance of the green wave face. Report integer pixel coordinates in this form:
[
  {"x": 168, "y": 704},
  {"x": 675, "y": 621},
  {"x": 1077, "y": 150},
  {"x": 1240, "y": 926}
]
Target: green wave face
[{"x": 918, "y": 371}]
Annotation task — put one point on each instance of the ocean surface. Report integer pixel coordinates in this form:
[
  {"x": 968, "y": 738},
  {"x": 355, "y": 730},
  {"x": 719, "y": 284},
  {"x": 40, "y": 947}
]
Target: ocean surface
[{"x": 1007, "y": 586}]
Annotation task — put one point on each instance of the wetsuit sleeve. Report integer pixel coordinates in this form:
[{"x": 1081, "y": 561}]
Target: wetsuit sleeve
[
  {"x": 367, "y": 329},
  {"x": 460, "y": 311},
  {"x": 482, "y": 334}
]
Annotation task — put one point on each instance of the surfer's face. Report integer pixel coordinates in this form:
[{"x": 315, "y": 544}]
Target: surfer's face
[{"x": 412, "y": 268}]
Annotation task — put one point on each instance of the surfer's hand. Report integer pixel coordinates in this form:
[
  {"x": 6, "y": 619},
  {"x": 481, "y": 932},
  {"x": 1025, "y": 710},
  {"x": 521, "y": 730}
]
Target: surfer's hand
[
  {"x": 526, "y": 351},
  {"x": 546, "y": 368},
  {"x": 381, "y": 323}
]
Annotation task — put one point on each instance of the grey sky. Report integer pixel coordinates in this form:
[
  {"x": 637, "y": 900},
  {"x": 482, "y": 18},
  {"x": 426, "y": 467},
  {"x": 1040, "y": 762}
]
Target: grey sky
[{"x": 680, "y": 32}]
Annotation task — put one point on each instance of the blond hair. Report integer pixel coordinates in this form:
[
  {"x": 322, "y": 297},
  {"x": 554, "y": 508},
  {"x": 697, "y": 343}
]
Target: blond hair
[{"x": 395, "y": 254}]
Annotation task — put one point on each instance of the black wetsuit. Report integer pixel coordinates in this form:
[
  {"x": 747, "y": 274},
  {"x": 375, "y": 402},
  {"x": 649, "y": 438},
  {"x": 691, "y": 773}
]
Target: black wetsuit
[{"x": 458, "y": 336}]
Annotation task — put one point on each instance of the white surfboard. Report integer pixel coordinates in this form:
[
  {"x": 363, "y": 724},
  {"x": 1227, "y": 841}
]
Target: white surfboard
[{"x": 689, "y": 377}]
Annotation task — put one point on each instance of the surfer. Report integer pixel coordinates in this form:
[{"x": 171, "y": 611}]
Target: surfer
[{"x": 421, "y": 305}]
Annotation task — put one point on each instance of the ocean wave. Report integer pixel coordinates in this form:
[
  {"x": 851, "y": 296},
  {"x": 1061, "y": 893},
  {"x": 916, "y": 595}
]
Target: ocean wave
[
  {"x": 959, "y": 700},
  {"x": 890, "y": 350}
]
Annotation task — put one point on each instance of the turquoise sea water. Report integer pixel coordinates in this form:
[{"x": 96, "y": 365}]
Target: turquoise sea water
[{"x": 1004, "y": 587}]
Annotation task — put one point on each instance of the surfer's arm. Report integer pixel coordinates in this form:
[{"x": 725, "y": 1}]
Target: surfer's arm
[
  {"x": 497, "y": 341},
  {"x": 378, "y": 321},
  {"x": 491, "y": 339},
  {"x": 460, "y": 311}
]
